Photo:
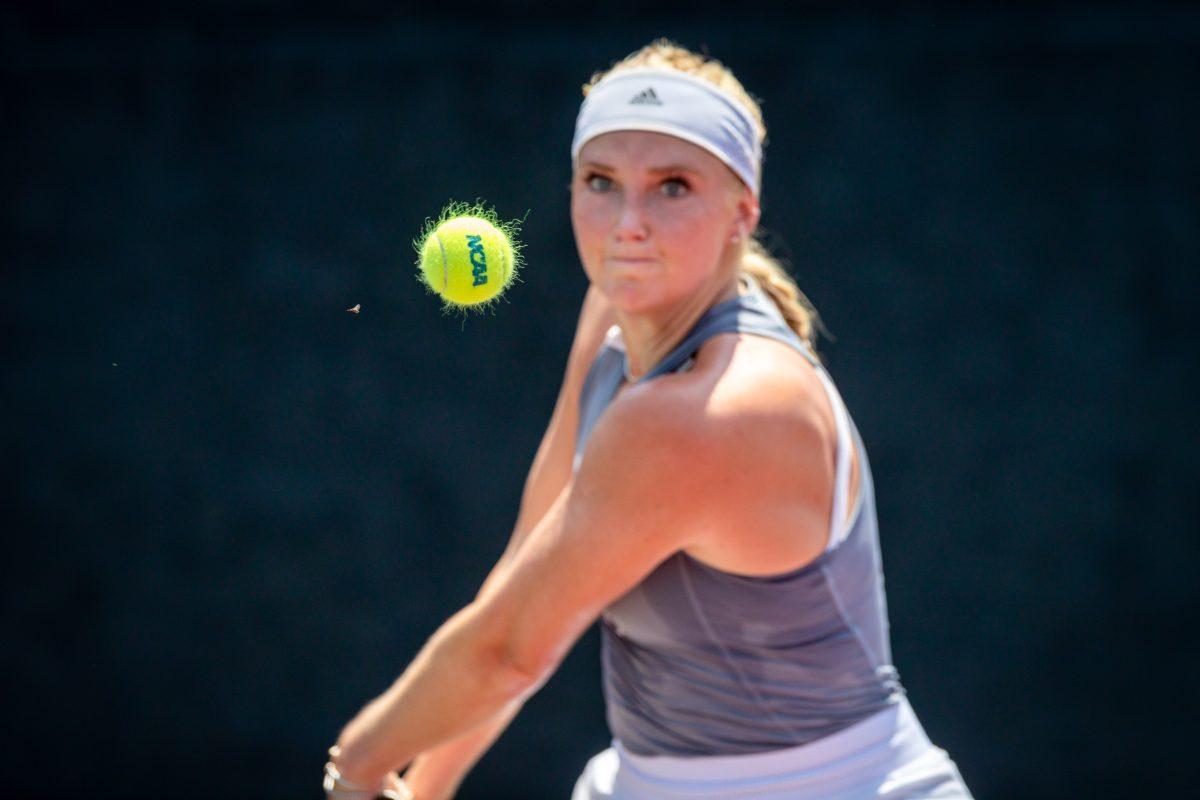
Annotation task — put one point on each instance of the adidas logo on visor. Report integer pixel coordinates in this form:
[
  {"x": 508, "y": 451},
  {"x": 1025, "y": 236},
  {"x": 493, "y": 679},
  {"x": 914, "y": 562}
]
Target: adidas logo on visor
[{"x": 646, "y": 97}]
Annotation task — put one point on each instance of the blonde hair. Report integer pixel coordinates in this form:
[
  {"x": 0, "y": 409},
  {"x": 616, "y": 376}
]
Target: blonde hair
[{"x": 799, "y": 313}]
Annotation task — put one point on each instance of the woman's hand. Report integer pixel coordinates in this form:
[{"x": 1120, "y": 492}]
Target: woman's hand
[
  {"x": 419, "y": 788},
  {"x": 339, "y": 787},
  {"x": 394, "y": 788}
]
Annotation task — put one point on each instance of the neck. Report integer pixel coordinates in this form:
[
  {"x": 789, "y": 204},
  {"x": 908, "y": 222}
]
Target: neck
[{"x": 650, "y": 337}]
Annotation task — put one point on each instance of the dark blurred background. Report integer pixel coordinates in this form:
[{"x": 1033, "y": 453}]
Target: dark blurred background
[{"x": 233, "y": 512}]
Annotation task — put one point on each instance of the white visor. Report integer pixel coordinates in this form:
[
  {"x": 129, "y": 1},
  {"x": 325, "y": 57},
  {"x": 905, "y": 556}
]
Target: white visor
[{"x": 677, "y": 104}]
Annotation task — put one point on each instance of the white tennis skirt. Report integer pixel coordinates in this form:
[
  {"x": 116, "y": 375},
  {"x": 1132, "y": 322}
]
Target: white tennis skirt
[{"x": 886, "y": 755}]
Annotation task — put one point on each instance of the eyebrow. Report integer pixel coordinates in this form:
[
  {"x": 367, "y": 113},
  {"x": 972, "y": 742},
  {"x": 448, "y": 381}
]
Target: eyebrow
[{"x": 655, "y": 170}]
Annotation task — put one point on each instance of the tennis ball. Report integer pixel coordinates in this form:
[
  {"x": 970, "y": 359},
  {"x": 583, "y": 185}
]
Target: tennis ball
[{"x": 467, "y": 256}]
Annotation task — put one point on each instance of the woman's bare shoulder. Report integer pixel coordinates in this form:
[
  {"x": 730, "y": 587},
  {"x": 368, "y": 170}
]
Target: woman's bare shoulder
[
  {"x": 753, "y": 416},
  {"x": 743, "y": 377},
  {"x": 746, "y": 400}
]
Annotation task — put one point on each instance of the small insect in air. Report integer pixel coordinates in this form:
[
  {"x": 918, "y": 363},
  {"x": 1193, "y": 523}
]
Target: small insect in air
[{"x": 355, "y": 309}]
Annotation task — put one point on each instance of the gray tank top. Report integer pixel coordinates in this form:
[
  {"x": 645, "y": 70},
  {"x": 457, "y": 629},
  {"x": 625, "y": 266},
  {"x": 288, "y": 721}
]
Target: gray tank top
[{"x": 700, "y": 662}]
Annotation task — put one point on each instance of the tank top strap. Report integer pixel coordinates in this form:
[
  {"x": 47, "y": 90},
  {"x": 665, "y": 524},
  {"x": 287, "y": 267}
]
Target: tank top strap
[
  {"x": 752, "y": 312},
  {"x": 839, "y": 521}
]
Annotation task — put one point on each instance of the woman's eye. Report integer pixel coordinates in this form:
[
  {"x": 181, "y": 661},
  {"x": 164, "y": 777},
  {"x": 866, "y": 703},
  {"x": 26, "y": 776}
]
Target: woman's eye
[
  {"x": 675, "y": 187},
  {"x": 598, "y": 183}
]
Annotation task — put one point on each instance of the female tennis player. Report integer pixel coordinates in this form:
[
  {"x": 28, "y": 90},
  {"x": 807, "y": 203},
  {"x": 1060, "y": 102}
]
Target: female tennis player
[{"x": 700, "y": 490}]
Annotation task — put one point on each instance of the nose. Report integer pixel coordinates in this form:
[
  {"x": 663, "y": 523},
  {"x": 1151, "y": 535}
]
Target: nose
[{"x": 631, "y": 223}]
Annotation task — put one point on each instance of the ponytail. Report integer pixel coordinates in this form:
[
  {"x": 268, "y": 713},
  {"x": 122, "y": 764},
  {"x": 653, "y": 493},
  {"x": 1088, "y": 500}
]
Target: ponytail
[{"x": 798, "y": 312}]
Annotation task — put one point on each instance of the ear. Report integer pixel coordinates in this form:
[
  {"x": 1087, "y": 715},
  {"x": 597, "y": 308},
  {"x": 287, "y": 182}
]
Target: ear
[{"x": 748, "y": 212}]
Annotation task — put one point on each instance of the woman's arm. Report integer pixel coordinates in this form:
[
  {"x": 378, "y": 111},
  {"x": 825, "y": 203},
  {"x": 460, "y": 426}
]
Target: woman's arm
[
  {"x": 460, "y": 679},
  {"x": 437, "y": 773},
  {"x": 552, "y": 466},
  {"x": 633, "y": 504}
]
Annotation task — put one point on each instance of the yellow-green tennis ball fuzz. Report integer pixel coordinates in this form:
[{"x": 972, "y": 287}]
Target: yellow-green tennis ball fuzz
[{"x": 468, "y": 260}]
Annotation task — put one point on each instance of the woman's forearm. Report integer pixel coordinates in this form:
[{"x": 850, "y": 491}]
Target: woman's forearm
[
  {"x": 457, "y": 681},
  {"x": 436, "y": 774}
]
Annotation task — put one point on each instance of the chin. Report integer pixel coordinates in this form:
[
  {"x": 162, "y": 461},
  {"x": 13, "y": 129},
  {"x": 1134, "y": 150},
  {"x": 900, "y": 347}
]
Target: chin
[{"x": 634, "y": 296}]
